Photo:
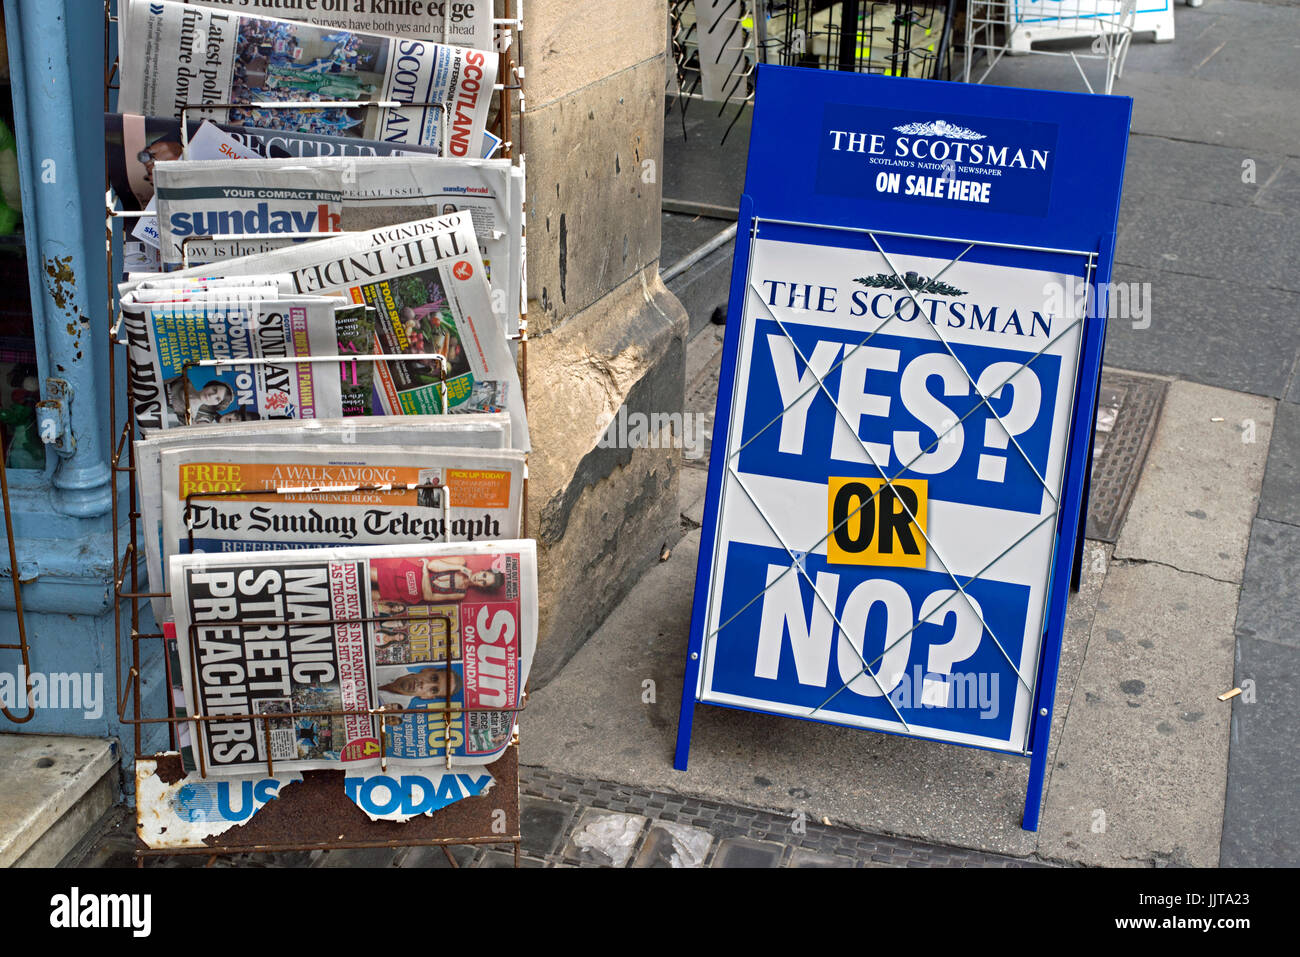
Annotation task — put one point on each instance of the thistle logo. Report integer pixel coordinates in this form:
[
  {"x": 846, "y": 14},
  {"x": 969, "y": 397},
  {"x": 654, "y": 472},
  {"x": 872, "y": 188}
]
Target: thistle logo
[
  {"x": 912, "y": 282},
  {"x": 939, "y": 128}
]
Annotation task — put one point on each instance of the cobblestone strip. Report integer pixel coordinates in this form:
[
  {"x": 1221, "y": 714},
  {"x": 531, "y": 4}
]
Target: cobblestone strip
[
  {"x": 572, "y": 822},
  {"x": 569, "y": 821}
]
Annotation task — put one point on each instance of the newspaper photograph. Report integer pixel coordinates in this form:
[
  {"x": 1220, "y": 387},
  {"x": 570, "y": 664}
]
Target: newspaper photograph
[
  {"x": 181, "y": 55},
  {"x": 486, "y": 431},
  {"x": 425, "y": 279},
  {"x": 283, "y": 651},
  {"x": 209, "y": 143},
  {"x": 202, "y": 204},
  {"x": 133, "y": 144},
  {"x": 465, "y": 23},
  {"x": 166, "y": 340}
]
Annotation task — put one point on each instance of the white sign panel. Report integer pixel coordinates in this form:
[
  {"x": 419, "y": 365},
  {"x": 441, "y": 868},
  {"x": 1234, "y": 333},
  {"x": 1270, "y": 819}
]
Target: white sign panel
[{"x": 885, "y": 534}]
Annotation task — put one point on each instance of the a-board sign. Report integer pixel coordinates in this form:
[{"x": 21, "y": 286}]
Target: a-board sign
[{"x": 908, "y": 382}]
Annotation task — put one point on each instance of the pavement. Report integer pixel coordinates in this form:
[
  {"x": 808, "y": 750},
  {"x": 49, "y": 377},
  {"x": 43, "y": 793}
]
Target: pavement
[
  {"x": 1196, "y": 596},
  {"x": 1190, "y": 591}
]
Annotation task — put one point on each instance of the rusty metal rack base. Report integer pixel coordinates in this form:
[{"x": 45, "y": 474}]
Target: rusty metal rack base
[{"x": 312, "y": 813}]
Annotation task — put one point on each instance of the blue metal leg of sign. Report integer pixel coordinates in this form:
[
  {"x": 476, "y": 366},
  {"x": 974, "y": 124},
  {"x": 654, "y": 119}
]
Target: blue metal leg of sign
[
  {"x": 685, "y": 720},
  {"x": 717, "y": 469},
  {"x": 1070, "y": 525}
]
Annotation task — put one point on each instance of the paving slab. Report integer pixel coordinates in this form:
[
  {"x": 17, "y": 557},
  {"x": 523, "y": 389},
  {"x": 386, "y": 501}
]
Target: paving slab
[
  {"x": 1197, "y": 495},
  {"x": 1079, "y": 615},
  {"x": 692, "y": 487},
  {"x": 1203, "y": 172},
  {"x": 683, "y": 233},
  {"x": 1211, "y": 111},
  {"x": 1281, "y": 190},
  {"x": 1261, "y": 827},
  {"x": 669, "y": 844},
  {"x": 1211, "y": 330},
  {"x": 1138, "y": 777},
  {"x": 46, "y": 776},
  {"x": 703, "y": 288},
  {"x": 1246, "y": 43},
  {"x": 699, "y": 166},
  {"x": 742, "y": 852},
  {"x": 1245, "y": 244},
  {"x": 1279, "y": 499},
  {"x": 1235, "y": 41},
  {"x": 1271, "y": 591}
]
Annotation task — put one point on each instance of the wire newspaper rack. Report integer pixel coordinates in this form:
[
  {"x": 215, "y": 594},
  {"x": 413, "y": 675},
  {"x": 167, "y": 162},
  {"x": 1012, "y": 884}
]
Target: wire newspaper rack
[
  {"x": 1095, "y": 31},
  {"x": 22, "y": 646},
  {"x": 889, "y": 37},
  {"x": 714, "y": 45},
  {"x": 315, "y": 814}
]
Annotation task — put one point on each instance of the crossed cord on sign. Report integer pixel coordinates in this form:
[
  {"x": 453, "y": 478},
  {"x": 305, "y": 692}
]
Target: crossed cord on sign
[{"x": 819, "y": 384}]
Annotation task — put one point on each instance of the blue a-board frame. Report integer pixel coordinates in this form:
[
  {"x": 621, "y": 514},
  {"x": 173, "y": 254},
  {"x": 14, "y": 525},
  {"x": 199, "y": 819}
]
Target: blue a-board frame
[{"x": 1081, "y": 212}]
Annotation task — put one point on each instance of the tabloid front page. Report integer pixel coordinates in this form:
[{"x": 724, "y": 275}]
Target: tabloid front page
[{"x": 285, "y": 652}]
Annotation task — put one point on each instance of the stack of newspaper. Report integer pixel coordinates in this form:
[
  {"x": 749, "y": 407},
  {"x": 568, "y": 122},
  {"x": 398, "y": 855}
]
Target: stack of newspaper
[
  {"x": 318, "y": 319},
  {"x": 210, "y": 60},
  {"x": 259, "y": 384}
]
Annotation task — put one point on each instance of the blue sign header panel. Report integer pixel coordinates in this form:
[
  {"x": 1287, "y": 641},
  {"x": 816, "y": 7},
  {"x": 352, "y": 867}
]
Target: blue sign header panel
[
  {"x": 1032, "y": 167},
  {"x": 907, "y": 388}
]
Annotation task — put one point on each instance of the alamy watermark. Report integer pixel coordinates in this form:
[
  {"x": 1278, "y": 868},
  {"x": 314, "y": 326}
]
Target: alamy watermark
[
  {"x": 1124, "y": 300},
  {"x": 969, "y": 690},
  {"x": 77, "y": 910},
  {"x": 66, "y": 691},
  {"x": 654, "y": 430}
]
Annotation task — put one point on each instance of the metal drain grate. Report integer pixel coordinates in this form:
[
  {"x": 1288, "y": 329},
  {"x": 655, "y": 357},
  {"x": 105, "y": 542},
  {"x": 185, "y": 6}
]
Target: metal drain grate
[{"x": 1128, "y": 408}]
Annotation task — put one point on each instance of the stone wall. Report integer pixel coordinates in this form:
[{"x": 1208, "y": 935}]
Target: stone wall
[{"x": 605, "y": 331}]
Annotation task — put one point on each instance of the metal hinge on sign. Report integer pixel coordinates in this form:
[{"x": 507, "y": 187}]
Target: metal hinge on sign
[{"x": 54, "y": 417}]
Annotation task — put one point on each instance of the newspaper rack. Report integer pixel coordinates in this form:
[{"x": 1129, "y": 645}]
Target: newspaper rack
[
  {"x": 312, "y": 813},
  {"x": 15, "y": 576}
]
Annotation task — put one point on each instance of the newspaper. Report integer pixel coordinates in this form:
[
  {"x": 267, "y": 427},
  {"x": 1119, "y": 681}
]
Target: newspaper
[
  {"x": 178, "y": 55},
  {"x": 486, "y": 431},
  {"x": 209, "y": 143},
  {"x": 386, "y": 191},
  {"x": 188, "y": 812},
  {"x": 199, "y": 201},
  {"x": 278, "y": 645},
  {"x": 167, "y": 339},
  {"x": 426, "y": 281},
  {"x": 174, "y": 287},
  {"x": 466, "y": 23},
  {"x": 315, "y": 497},
  {"x": 133, "y": 144}
]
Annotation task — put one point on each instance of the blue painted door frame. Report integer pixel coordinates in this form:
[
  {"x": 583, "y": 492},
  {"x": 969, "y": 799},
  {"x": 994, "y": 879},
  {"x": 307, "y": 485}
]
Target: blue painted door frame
[{"x": 62, "y": 515}]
